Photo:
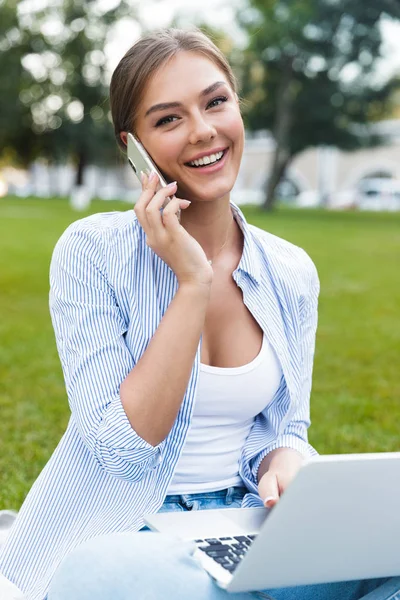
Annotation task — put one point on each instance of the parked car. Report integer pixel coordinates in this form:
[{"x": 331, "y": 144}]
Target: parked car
[{"x": 378, "y": 193}]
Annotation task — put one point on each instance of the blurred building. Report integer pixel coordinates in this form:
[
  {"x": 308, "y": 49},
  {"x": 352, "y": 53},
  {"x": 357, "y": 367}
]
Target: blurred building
[{"x": 327, "y": 176}]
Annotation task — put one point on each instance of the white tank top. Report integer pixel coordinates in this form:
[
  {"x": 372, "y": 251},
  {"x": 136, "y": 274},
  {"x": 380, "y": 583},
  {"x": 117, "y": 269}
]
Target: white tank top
[{"x": 227, "y": 402}]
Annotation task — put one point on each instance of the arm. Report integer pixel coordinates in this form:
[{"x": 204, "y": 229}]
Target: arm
[
  {"x": 153, "y": 391},
  {"x": 280, "y": 462},
  {"x": 90, "y": 330},
  {"x": 274, "y": 448}
]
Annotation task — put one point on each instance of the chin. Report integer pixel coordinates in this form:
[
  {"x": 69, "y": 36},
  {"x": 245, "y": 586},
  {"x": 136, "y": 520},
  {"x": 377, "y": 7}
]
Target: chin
[
  {"x": 206, "y": 194},
  {"x": 203, "y": 196}
]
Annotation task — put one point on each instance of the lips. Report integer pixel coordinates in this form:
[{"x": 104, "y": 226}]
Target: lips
[{"x": 210, "y": 169}]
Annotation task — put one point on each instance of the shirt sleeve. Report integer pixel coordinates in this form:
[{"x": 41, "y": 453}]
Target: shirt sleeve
[
  {"x": 89, "y": 328},
  {"x": 267, "y": 425}
]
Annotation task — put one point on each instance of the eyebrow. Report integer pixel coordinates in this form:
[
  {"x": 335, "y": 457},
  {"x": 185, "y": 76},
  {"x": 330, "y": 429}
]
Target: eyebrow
[{"x": 168, "y": 105}]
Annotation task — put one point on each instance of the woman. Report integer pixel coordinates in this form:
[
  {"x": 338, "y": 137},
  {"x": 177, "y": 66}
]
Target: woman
[{"x": 186, "y": 347}]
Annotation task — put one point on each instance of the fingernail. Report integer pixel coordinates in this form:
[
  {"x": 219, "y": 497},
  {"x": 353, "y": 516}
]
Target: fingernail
[
  {"x": 142, "y": 177},
  {"x": 171, "y": 185},
  {"x": 268, "y": 499},
  {"x": 153, "y": 175}
]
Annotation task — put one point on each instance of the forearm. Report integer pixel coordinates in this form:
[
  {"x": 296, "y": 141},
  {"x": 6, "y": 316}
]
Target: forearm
[{"x": 153, "y": 391}]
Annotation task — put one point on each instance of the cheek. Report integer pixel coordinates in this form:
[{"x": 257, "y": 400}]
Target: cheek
[
  {"x": 234, "y": 127},
  {"x": 166, "y": 153}
]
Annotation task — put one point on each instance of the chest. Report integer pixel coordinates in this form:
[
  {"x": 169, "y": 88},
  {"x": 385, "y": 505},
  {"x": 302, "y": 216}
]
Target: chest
[{"x": 231, "y": 335}]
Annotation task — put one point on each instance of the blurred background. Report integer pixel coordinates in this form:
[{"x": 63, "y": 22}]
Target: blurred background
[
  {"x": 320, "y": 88},
  {"x": 320, "y": 82}
]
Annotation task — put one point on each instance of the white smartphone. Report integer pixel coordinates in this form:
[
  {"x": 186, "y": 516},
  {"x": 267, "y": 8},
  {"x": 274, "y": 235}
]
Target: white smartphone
[{"x": 140, "y": 161}]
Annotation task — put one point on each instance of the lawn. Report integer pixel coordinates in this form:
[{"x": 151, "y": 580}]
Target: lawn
[{"x": 356, "y": 390}]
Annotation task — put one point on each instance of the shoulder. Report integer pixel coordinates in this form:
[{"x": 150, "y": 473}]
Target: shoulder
[
  {"x": 112, "y": 225},
  {"x": 96, "y": 235},
  {"x": 285, "y": 261}
]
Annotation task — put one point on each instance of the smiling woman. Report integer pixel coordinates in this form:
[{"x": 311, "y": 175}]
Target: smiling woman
[
  {"x": 194, "y": 133},
  {"x": 187, "y": 350}
]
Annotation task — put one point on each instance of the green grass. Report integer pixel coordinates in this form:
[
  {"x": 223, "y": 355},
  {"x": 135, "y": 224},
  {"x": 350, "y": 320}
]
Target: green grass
[{"x": 356, "y": 390}]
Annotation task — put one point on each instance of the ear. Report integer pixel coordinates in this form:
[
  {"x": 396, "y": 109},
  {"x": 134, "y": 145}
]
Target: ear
[{"x": 124, "y": 137}]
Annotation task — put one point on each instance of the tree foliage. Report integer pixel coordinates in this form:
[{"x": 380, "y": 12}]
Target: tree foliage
[
  {"x": 309, "y": 74},
  {"x": 16, "y": 136},
  {"x": 54, "y": 77}
]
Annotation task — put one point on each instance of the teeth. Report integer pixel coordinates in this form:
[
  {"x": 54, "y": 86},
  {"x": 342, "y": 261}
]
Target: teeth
[{"x": 206, "y": 160}]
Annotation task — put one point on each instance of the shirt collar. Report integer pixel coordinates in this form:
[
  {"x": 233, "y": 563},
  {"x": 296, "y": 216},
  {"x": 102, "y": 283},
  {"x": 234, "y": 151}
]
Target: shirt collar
[{"x": 250, "y": 263}]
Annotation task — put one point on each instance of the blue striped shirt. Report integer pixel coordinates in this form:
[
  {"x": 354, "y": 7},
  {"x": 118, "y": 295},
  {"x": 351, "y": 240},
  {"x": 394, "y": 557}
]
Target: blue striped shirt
[{"x": 109, "y": 291}]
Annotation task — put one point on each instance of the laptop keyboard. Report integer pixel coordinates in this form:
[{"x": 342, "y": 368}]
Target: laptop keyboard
[{"x": 227, "y": 551}]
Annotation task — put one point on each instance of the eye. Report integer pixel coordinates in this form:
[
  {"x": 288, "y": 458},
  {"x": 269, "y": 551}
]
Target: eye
[
  {"x": 166, "y": 120},
  {"x": 217, "y": 101}
]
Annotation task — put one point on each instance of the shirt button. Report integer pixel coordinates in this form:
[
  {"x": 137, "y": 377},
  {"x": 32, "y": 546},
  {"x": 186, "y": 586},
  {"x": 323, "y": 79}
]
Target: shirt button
[{"x": 157, "y": 459}]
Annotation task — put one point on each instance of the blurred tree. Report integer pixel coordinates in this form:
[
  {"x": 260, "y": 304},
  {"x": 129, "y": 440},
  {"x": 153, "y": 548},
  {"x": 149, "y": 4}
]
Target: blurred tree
[
  {"x": 396, "y": 100},
  {"x": 310, "y": 74},
  {"x": 59, "y": 88},
  {"x": 16, "y": 136}
]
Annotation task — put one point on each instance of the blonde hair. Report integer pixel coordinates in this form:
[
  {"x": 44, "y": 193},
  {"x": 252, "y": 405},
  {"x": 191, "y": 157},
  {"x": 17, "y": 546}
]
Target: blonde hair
[{"x": 143, "y": 59}]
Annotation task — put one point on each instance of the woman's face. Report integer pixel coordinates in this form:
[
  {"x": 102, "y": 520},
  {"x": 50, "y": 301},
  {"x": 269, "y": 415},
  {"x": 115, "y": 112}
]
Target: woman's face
[{"x": 189, "y": 121}]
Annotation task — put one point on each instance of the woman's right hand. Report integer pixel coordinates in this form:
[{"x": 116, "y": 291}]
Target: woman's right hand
[{"x": 166, "y": 236}]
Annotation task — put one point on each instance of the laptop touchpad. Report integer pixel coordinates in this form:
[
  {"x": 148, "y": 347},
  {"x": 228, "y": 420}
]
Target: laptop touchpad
[{"x": 208, "y": 523}]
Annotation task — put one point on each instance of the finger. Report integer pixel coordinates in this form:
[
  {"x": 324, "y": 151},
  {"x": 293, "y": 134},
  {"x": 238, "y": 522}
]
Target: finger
[
  {"x": 171, "y": 213},
  {"x": 149, "y": 187},
  {"x": 269, "y": 489},
  {"x": 144, "y": 178},
  {"x": 157, "y": 202},
  {"x": 270, "y": 501},
  {"x": 151, "y": 181}
]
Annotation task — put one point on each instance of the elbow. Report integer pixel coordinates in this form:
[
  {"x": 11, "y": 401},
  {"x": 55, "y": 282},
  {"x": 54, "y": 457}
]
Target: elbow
[{"x": 124, "y": 464}]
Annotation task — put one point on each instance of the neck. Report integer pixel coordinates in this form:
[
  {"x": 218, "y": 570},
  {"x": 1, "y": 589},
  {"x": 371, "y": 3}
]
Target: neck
[{"x": 210, "y": 224}]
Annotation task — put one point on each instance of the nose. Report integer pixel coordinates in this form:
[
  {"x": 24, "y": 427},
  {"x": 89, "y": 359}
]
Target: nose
[{"x": 202, "y": 130}]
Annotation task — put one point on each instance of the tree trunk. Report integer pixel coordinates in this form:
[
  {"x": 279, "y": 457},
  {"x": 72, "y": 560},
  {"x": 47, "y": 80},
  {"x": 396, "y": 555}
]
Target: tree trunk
[
  {"x": 277, "y": 172},
  {"x": 80, "y": 169},
  {"x": 80, "y": 195},
  {"x": 282, "y": 154}
]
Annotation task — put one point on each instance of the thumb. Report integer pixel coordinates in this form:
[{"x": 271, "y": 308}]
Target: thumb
[{"x": 269, "y": 490}]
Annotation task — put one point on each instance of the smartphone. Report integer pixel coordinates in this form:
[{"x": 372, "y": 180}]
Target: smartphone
[{"x": 140, "y": 161}]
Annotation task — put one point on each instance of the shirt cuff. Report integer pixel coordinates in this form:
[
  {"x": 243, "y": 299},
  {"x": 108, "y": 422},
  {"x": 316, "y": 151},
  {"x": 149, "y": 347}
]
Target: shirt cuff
[{"x": 116, "y": 434}]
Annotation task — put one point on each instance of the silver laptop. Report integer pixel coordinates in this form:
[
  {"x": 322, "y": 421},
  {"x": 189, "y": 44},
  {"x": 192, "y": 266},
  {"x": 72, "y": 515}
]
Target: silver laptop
[{"x": 338, "y": 520}]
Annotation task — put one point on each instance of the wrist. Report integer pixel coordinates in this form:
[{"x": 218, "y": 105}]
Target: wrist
[{"x": 278, "y": 459}]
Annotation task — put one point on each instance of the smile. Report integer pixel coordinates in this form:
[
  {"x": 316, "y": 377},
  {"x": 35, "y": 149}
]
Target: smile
[{"x": 206, "y": 161}]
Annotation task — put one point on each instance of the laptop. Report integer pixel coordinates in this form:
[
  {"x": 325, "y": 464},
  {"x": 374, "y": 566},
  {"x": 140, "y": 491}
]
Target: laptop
[{"x": 338, "y": 520}]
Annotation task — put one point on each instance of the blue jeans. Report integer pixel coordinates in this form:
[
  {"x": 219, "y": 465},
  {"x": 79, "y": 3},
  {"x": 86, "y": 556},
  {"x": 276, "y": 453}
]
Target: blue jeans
[{"x": 152, "y": 566}]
